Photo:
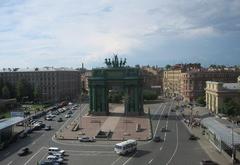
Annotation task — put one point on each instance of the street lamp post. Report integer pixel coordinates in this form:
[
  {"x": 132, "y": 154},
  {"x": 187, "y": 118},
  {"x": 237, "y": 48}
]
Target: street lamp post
[{"x": 233, "y": 145}]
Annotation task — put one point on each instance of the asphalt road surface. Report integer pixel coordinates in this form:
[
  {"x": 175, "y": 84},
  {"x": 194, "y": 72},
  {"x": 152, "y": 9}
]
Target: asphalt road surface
[{"x": 175, "y": 149}]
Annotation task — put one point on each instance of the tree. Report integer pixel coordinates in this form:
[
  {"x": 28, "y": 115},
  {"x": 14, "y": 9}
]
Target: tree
[
  {"x": 5, "y": 92},
  {"x": 167, "y": 67},
  {"x": 1, "y": 86},
  {"x": 149, "y": 95},
  {"x": 36, "y": 93},
  {"x": 230, "y": 107},
  {"x": 24, "y": 89},
  {"x": 201, "y": 100}
]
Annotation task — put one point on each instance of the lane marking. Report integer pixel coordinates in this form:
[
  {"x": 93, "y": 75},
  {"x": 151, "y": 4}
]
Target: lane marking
[
  {"x": 129, "y": 158},
  {"x": 159, "y": 120},
  {"x": 120, "y": 157},
  {"x": 161, "y": 148},
  {"x": 35, "y": 155},
  {"x": 150, "y": 161},
  {"x": 176, "y": 148},
  {"x": 10, "y": 163}
]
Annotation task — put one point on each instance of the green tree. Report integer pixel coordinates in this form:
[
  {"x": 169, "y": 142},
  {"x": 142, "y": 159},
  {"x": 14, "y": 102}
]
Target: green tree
[
  {"x": 167, "y": 67},
  {"x": 230, "y": 107},
  {"x": 149, "y": 95},
  {"x": 24, "y": 89},
  {"x": 201, "y": 100},
  {"x": 5, "y": 92},
  {"x": 36, "y": 93},
  {"x": 1, "y": 86}
]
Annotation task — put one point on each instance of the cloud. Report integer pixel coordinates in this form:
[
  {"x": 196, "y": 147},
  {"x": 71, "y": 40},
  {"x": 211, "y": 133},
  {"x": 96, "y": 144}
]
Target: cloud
[{"x": 50, "y": 32}]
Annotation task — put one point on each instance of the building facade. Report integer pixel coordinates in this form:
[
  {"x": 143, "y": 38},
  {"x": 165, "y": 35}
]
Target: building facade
[
  {"x": 193, "y": 83},
  {"x": 217, "y": 92},
  {"x": 171, "y": 82},
  {"x": 53, "y": 84},
  {"x": 152, "y": 79}
]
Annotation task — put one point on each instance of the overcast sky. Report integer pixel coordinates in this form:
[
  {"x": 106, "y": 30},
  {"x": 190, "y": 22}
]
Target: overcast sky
[{"x": 36, "y": 33}]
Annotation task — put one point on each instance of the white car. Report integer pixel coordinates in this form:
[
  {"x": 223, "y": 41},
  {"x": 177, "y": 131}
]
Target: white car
[
  {"x": 55, "y": 149},
  {"x": 58, "y": 154},
  {"x": 87, "y": 139},
  {"x": 67, "y": 115},
  {"x": 55, "y": 158}
]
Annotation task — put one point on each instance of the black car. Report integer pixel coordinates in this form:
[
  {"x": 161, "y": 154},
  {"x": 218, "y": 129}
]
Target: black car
[
  {"x": 157, "y": 138},
  {"x": 60, "y": 119},
  {"x": 208, "y": 162},
  {"x": 192, "y": 137},
  {"x": 47, "y": 128},
  {"x": 24, "y": 152},
  {"x": 164, "y": 129}
]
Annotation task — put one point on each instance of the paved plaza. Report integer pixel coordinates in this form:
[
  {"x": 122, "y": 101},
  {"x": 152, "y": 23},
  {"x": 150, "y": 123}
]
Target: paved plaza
[{"x": 119, "y": 126}]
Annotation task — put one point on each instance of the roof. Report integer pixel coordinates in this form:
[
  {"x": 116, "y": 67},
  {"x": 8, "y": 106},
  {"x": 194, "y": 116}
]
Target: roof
[
  {"x": 221, "y": 131},
  {"x": 43, "y": 69},
  {"x": 4, "y": 123},
  {"x": 127, "y": 142},
  {"x": 231, "y": 86}
]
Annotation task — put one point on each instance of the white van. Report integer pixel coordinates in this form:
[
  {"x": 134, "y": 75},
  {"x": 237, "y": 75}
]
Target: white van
[
  {"x": 55, "y": 149},
  {"x": 126, "y": 147}
]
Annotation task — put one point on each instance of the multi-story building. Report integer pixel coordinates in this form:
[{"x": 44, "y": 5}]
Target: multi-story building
[
  {"x": 217, "y": 92},
  {"x": 193, "y": 83},
  {"x": 171, "y": 82},
  {"x": 54, "y": 84},
  {"x": 152, "y": 78},
  {"x": 84, "y": 80}
]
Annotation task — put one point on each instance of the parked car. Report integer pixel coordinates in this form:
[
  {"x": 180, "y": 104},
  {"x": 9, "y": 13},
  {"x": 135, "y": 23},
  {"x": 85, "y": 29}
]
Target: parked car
[
  {"x": 70, "y": 112},
  {"x": 24, "y": 151},
  {"x": 157, "y": 138},
  {"x": 192, "y": 137},
  {"x": 55, "y": 149},
  {"x": 87, "y": 139},
  {"x": 59, "y": 119},
  {"x": 208, "y": 162}
]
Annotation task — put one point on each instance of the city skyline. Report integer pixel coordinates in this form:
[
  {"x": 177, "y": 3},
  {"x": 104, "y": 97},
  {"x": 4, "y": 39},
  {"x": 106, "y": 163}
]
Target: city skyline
[{"x": 59, "y": 33}]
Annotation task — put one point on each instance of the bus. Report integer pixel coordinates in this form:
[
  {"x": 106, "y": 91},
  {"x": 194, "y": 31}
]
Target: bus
[{"x": 126, "y": 147}]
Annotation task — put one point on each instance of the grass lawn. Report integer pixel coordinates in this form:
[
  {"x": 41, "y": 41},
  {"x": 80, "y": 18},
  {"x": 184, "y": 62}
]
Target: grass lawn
[{"x": 33, "y": 107}]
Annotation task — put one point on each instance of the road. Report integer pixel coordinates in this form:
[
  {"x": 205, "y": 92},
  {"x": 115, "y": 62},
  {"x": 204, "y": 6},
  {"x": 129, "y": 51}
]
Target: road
[{"x": 176, "y": 149}]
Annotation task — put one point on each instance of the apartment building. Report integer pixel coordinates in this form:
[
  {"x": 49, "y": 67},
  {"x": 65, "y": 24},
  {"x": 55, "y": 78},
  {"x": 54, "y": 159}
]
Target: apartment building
[
  {"x": 193, "y": 83},
  {"x": 171, "y": 82},
  {"x": 54, "y": 84},
  {"x": 152, "y": 78}
]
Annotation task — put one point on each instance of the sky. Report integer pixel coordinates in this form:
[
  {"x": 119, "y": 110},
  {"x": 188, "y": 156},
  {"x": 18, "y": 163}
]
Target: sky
[{"x": 67, "y": 33}]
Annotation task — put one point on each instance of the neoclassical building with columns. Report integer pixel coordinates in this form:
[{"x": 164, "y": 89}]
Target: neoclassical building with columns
[{"x": 217, "y": 92}]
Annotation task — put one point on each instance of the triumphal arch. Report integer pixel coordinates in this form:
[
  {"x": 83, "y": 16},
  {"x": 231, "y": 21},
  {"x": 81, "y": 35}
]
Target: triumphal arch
[{"x": 116, "y": 73}]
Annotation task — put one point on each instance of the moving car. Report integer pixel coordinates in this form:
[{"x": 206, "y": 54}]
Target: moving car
[
  {"x": 192, "y": 137},
  {"x": 67, "y": 116},
  {"x": 55, "y": 149},
  {"x": 48, "y": 162},
  {"x": 164, "y": 129},
  {"x": 60, "y": 119},
  {"x": 47, "y": 128},
  {"x": 55, "y": 158},
  {"x": 24, "y": 152},
  {"x": 208, "y": 162},
  {"x": 87, "y": 139},
  {"x": 157, "y": 138}
]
